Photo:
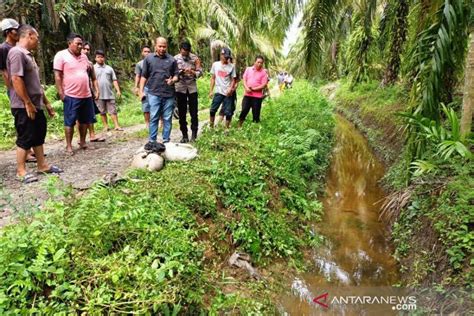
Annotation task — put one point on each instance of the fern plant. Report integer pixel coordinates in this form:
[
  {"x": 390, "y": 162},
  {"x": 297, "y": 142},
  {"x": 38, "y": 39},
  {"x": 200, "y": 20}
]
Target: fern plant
[{"x": 442, "y": 141}]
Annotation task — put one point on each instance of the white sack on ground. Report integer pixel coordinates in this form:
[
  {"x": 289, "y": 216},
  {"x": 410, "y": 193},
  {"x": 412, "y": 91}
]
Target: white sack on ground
[
  {"x": 152, "y": 162},
  {"x": 179, "y": 152}
]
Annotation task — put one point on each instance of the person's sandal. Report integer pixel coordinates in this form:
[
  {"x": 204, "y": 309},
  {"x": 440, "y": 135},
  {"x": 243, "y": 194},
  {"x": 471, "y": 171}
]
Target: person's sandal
[
  {"x": 52, "y": 170},
  {"x": 27, "y": 178}
]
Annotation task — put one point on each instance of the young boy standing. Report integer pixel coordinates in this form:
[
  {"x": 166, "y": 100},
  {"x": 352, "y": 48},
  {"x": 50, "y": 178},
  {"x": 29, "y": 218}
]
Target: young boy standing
[{"x": 106, "y": 78}]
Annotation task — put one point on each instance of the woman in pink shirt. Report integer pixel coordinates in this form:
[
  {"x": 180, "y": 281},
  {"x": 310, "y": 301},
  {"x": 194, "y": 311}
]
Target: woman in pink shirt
[{"x": 255, "y": 79}]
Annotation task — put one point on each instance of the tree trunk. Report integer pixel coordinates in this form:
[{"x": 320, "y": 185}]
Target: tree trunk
[
  {"x": 396, "y": 47},
  {"x": 468, "y": 98},
  {"x": 181, "y": 23},
  {"x": 40, "y": 52}
]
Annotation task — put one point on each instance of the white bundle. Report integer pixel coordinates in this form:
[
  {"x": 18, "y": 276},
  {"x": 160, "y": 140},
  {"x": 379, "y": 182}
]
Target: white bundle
[
  {"x": 152, "y": 162},
  {"x": 179, "y": 152}
]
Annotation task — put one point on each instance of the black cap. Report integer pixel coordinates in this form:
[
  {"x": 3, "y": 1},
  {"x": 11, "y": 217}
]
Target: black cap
[{"x": 226, "y": 52}]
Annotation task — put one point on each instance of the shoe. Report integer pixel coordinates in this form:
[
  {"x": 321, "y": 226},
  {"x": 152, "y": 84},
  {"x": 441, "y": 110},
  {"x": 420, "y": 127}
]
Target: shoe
[
  {"x": 184, "y": 140},
  {"x": 193, "y": 136}
]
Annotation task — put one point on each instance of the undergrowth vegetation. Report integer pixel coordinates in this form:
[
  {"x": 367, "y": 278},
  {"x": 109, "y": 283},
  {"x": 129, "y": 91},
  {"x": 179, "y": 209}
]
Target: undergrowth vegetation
[{"x": 159, "y": 242}]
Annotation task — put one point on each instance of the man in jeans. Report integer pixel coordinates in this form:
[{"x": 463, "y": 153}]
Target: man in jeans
[
  {"x": 138, "y": 74},
  {"x": 190, "y": 69},
  {"x": 255, "y": 80},
  {"x": 160, "y": 73},
  {"x": 27, "y": 104},
  {"x": 223, "y": 83},
  {"x": 71, "y": 74}
]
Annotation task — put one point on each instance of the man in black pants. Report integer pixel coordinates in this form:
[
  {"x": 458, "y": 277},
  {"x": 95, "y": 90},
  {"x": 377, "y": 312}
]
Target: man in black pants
[
  {"x": 255, "y": 79},
  {"x": 189, "y": 67},
  {"x": 27, "y": 104}
]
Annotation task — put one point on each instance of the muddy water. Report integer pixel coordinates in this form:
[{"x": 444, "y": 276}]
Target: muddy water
[{"x": 355, "y": 258}]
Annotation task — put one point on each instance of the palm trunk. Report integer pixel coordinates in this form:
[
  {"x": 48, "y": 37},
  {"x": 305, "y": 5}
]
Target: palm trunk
[
  {"x": 468, "y": 98},
  {"x": 40, "y": 52},
  {"x": 396, "y": 47}
]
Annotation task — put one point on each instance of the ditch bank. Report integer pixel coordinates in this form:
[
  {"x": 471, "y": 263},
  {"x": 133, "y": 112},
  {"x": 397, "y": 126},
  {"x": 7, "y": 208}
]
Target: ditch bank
[
  {"x": 430, "y": 220},
  {"x": 161, "y": 242}
]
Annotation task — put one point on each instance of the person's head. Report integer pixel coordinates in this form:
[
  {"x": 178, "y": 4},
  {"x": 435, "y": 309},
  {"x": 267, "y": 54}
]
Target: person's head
[
  {"x": 100, "y": 57},
  {"x": 145, "y": 51},
  {"x": 259, "y": 61},
  {"x": 74, "y": 43},
  {"x": 28, "y": 37},
  {"x": 185, "y": 49},
  {"x": 10, "y": 29},
  {"x": 86, "y": 48},
  {"x": 161, "y": 45},
  {"x": 226, "y": 54}
]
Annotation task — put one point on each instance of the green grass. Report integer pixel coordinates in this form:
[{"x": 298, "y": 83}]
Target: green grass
[
  {"x": 371, "y": 99},
  {"x": 158, "y": 242}
]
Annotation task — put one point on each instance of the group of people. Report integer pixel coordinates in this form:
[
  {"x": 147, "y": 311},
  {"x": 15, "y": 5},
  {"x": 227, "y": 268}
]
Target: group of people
[
  {"x": 161, "y": 79},
  {"x": 285, "y": 80},
  {"x": 87, "y": 89}
]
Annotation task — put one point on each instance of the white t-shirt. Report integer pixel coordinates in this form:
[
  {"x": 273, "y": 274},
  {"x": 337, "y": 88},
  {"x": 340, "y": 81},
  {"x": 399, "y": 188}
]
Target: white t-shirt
[{"x": 224, "y": 74}]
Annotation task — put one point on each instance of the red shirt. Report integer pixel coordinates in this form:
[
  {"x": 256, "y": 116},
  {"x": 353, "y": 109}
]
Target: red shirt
[{"x": 255, "y": 78}]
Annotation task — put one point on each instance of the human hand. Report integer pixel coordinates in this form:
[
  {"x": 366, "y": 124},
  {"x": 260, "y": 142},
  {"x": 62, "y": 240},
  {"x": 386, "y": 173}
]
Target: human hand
[
  {"x": 169, "y": 81},
  {"x": 50, "y": 110},
  {"x": 30, "y": 110}
]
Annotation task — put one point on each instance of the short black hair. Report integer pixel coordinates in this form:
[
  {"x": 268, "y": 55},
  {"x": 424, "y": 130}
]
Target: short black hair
[
  {"x": 72, "y": 36},
  {"x": 185, "y": 46},
  {"x": 259, "y": 57},
  {"x": 100, "y": 52},
  {"x": 146, "y": 46},
  {"x": 25, "y": 29},
  {"x": 86, "y": 43}
]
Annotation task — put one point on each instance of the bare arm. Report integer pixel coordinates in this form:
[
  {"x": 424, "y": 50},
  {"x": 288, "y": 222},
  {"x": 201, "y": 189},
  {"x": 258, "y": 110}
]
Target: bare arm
[
  {"x": 49, "y": 108},
  {"x": 136, "y": 87},
  {"x": 117, "y": 88},
  {"x": 95, "y": 84},
  {"x": 213, "y": 83},
  {"x": 20, "y": 89},
  {"x": 58, "y": 79},
  {"x": 142, "y": 87},
  {"x": 5, "y": 78}
]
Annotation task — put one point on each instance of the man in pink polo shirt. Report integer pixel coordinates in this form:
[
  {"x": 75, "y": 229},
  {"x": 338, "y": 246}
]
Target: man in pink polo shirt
[
  {"x": 71, "y": 73},
  {"x": 255, "y": 79}
]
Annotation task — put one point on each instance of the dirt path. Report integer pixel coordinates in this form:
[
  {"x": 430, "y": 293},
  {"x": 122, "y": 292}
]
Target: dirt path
[{"x": 80, "y": 171}]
